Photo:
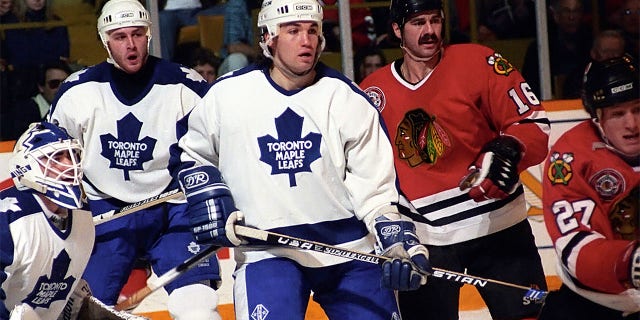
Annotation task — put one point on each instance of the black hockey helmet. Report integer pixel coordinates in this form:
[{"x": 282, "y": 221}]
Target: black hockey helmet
[
  {"x": 609, "y": 82},
  {"x": 400, "y": 10}
]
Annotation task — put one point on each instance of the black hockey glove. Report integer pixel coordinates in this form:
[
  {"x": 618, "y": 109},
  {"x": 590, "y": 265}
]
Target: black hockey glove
[{"x": 494, "y": 173}]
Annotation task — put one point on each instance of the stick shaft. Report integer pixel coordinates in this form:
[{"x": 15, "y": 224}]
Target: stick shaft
[
  {"x": 135, "y": 207},
  {"x": 284, "y": 240},
  {"x": 166, "y": 278}
]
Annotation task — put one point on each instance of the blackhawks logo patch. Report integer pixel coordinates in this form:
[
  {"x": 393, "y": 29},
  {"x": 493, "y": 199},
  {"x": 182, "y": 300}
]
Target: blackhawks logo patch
[
  {"x": 560, "y": 170},
  {"x": 500, "y": 65}
]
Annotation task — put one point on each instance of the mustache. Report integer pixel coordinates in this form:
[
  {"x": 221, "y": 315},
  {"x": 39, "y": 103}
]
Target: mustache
[{"x": 428, "y": 38}]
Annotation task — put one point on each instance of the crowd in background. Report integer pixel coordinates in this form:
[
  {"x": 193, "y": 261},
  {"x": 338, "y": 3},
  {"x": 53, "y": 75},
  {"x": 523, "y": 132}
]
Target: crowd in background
[
  {"x": 35, "y": 60},
  {"x": 579, "y": 30}
]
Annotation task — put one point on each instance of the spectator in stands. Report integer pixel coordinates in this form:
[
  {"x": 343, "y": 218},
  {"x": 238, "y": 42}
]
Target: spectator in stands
[
  {"x": 501, "y": 19},
  {"x": 175, "y": 14},
  {"x": 203, "y": 60},
  {"x": 630, "y": 23},
  {"x": 34, "y": 109},
  {"x": 569, "y": 45},
  {"x": 207, "y": 64},
  {"x": 238, "y": 46},
  {"x": 381, "y": 24},
  {"x": 607, "y": 44},
  {"x": 5, "y": 7},
  {"x": 363, "y": 33},
  {"x": 368, "y": 60},
  {"x": 27, "y": 50}
]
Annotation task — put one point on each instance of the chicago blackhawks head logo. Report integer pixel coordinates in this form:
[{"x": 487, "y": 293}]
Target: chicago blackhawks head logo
[
  {"x": 420, "y": 139},
  {"x": 625, "y": 216}
]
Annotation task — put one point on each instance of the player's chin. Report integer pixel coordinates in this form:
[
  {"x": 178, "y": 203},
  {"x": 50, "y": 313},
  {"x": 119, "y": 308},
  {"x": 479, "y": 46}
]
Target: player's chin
[
  {"x": 132, "y": 66},
  {"x": 303, "y": 68}
]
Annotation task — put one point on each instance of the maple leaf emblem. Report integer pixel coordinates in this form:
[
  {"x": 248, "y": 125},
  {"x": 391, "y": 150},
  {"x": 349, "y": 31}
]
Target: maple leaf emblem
[
  {"x": 291, "y": 153},
  {"x": 9, "y": 204},
  {"x": 127, "y": 152},
  {"x": 47, "y": 290}
]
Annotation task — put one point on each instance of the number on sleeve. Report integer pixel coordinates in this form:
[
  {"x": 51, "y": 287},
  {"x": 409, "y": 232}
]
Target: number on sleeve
[{"x": 531, "y": 98}]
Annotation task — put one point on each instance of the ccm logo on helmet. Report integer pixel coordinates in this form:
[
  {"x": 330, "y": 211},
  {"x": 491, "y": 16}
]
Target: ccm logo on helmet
[
  {"x": 390, "y": 230},
  {"x": 126, "y": 15},
  {"x": 621, "y": 88},
  {"x": 196, "y": 179},
  {"x": 304, "y": 7}
]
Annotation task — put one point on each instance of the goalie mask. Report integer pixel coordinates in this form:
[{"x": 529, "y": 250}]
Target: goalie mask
[
  {"x": 276, "y": 12},
  {"x": 118, "y": 14},
  {"x": 47, "y": 160}
]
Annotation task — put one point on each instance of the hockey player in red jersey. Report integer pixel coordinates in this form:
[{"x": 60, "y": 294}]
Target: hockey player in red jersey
[
  {"x": 462, "y": 113},
  {"x": 590, "y": 200}
]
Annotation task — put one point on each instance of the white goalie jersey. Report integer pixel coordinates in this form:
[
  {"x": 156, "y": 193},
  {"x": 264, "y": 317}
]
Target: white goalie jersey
[
  {"x": 40, "y": 265},
  {"x": 313, "y": 163}
]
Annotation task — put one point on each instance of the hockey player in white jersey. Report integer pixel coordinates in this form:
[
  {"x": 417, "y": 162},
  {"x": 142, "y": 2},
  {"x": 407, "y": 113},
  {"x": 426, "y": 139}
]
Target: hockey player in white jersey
[
  {"x": 45, "y": 244},
  {"x": 123, "y": 111},
  {"x": 304, "y": 154}
]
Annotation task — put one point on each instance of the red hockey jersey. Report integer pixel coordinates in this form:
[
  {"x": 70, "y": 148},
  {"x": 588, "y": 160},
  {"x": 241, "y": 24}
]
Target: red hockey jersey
[
  {"x": 590, "y": 205},
  {"x": 438, "y": 127}
]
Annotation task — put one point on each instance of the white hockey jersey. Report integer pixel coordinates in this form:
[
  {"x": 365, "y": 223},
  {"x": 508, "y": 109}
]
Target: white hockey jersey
[
  {"x": 126, "y": 140},
  {"x": 40, "y": 265},
  {"x": 313, "y": 163}
]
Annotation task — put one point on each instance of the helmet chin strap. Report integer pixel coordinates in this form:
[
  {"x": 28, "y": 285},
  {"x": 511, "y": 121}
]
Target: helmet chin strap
[{"x": 416, "y": 58}]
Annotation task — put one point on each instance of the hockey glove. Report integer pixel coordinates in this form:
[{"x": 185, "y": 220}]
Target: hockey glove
[
  {"x": 212, "y": 211},
  {"x": 494, "y": 173},
  {"x": 409, "y": 266}
]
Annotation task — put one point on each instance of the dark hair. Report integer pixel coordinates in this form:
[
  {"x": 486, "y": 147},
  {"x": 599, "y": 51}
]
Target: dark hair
[
  {"x": 202, "y": 56},
  {"x": 364, "y": 52},
  {"x": 60, "y": 65}
]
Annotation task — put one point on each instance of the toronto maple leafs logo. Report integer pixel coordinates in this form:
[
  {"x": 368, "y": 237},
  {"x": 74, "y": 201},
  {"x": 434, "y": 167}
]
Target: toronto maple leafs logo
[
  {"x": 290, "y": 153},
  {"x": 127, "y": 152},
  {"x": 57, "y": 287}
]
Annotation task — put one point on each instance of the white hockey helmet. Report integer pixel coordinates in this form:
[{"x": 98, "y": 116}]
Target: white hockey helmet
[
  {"x": 39, "y": 163},
  {"x": 276, "y": 12},
  {"x": 118, "y": 14}
]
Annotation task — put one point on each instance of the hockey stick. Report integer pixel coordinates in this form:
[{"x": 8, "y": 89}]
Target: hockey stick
[
  {"x": 96, "y": 309},
  {"x": 273, "y": 238},
  {"x": 165, "y": 279},
  {"x": 134, "y": 207}
]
